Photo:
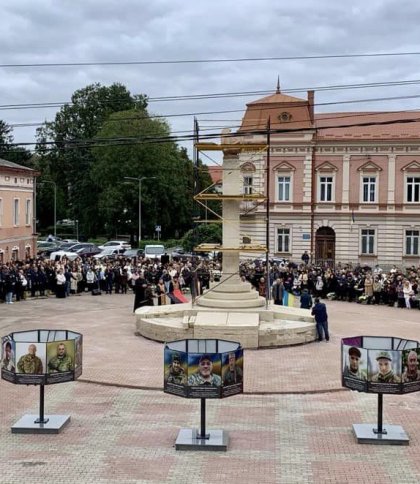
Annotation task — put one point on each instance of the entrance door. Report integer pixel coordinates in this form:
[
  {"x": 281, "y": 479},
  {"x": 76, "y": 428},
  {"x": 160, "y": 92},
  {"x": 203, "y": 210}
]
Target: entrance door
[{"x": 325, "y": 246}]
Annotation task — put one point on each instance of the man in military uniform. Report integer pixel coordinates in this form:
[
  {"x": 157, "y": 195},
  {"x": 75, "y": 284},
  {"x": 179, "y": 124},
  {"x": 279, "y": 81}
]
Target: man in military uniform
[
  {"x": 411, "y": 372},
  {"x": 30, "y": 363},
  {"x": 385, "y": 373},
  {"x": 234, "y": 373},
  {"x": 7, "y": 362},
  {"x": 204, "y": 374},
  {"x": 352, "y": 370},
  {"x": 61, "y": 362},
  {"x": 176, "y": 372}
]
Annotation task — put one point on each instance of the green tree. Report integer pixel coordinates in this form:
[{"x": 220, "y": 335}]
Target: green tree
[
  {"x": 9, "y": 150},
  {"x": 65, "y": 148},
  {"x": 205, "y": 233},
  {"x": 145, "y": 151}
]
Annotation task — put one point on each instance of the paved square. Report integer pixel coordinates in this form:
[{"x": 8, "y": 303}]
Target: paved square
[{"x": 293, "y": 424}]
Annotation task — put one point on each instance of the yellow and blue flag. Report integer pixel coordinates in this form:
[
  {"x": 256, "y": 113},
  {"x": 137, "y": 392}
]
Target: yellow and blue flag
[{"x": 288, "y": 299}]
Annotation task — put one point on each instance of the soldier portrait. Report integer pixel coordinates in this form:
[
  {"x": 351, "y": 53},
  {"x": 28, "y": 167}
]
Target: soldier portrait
[
  {"x": 232, "y": 368},
  {"x": 355, "y": 362},
  {"x": 60, "y": 356},
  {"x": 30, "y": 358},
  {"x": 206, "y": 372},
  {"x": 385, "y": 366},
  {"x": 8, "y": 356},
  {"x": 176, "y": 368},
  {"x": 411, "y": 366}
]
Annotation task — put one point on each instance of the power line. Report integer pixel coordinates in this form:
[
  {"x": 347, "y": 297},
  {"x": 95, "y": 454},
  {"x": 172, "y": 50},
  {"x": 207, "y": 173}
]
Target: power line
[
  {"x": 195, "y": 97},
  {"x": 213, "y": 61},
  {"x": 97, "y": 143}
]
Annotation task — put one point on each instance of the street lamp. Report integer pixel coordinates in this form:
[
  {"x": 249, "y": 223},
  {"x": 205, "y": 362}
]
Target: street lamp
[
  {"x": 139, "y": 180},
  {"x": 55, "y": 204}
]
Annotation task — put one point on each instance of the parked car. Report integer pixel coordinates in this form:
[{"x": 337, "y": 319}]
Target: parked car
[
  {"x": 154, "y": 251},
  {"x": 110, "y": 253},
  {"x": 130, "y": 253},
  {"x": 44, "y": 248},
  {"x": 122, "y": 244},
  {"x": 74, "y": 251}
]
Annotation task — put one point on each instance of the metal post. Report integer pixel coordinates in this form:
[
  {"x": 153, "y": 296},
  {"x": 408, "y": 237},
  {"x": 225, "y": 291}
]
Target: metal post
[
  {"x": 55, "y": 209},
  {"x": 202, "y": 434},
  {"x": 138, "y": 242},
  {"x": 41, "y": 419},
  {"x": 380, "y": 429},
  {"x": 267, "y": 221}
]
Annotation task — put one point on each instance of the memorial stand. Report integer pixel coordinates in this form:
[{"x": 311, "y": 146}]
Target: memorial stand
[
  {"x": 41, "y": 357},
  {"x": 380, "y": 365},
  {"x": 204, "y": 369}
]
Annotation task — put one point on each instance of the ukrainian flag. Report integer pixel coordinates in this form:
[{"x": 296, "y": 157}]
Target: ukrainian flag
[{"x": 288, "y": 299}]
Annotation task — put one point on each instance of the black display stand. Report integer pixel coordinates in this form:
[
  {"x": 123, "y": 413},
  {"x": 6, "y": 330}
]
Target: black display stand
[
  {"x": 41, "y": 424},
  {"x": 391, "y": 435},
  {"x": 194, "y": 439}
]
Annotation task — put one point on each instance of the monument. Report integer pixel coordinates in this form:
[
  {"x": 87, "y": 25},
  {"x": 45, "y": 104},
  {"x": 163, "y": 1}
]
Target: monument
[{"x": 232, "y": 310}]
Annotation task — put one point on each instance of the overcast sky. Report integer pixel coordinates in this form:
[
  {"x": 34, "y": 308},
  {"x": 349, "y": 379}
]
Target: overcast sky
[{"x": 63, "y": 31}]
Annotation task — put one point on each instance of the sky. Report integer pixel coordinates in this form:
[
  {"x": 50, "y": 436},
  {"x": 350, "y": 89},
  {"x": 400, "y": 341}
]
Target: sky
[{"x": 84, "y": 31}]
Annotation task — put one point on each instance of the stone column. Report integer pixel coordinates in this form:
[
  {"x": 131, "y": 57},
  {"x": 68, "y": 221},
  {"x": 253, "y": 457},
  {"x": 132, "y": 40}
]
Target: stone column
[{"x": 232, "y": 185}]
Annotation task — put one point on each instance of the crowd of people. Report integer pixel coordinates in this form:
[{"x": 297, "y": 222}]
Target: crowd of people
[{"x": 167, "y": 281}]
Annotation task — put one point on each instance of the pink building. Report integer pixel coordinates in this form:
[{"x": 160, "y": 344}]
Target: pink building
[
  {"x": 17, "y": 234},
  {"x": 343, "y": 186}
]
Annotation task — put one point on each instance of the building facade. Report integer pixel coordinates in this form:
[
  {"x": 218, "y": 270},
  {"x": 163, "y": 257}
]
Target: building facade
[
  {"x": 345, "y": 187},
  {"x": 17, "y": 216}
]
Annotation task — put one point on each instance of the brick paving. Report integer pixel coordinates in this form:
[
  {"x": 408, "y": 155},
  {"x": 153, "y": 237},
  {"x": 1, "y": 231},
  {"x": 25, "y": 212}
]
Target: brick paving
[{"x": 293, "y": 425}]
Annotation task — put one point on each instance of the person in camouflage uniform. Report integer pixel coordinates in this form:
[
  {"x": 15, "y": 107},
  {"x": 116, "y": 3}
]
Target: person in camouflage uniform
[
  {"x": 353, "y": 370},
  {"x": 385, "y": 373},
  {"x": 204, "y": 374},
  {"x": 7, "y": 362},
  {"x": 30, "y": 363},
  {"x": 176, "y": 372},
  {"x": 233, "y": 373},
  {"x": 411, "y": 372},
  {"x": 61, "y": 362}
]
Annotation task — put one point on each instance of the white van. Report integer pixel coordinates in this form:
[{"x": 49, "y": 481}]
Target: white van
[{"x": 154, "y": 251}]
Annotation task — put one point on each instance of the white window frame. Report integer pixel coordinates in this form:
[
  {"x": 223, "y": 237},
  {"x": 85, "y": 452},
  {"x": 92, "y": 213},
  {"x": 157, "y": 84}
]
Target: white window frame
[
  {"x": 284, "y": 175},
  {"x": 16, "y": 212},
  {"x": 284, "y": 229},
  {"x": 248, "y": 185},
  {"x": 415, "y": 235},
  {"x": 326, "y": 175},
  {"x": 362, "y": 186},
  {"x": 407, "y": 176},
  {"x": 375, "y": 238},
  {"x": 28, "y": 211}
]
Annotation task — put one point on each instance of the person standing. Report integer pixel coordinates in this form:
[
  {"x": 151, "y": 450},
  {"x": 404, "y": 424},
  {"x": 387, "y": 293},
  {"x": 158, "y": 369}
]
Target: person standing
[
  {"x": 305, "y": 300},
  {"x": 277, "y": 292},
  {"x": 321, "y": 318},
  {"x": 305, "y": 258}
]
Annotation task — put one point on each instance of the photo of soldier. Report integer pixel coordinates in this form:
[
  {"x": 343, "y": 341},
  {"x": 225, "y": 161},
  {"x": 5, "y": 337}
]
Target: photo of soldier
[
  {"x": 203, "y": 370},
  {"x": 78, "y": 352},
  {"x": 60, "y": 356},
  {"x": 410, "y": 362},
  {"x": 232, "y": 369},
  {"x": 355, "y": 362},
  {"x": 175, "y": 369},
  {"x": 384, "y": 366},
  {"x": 30, "y": 358},
  {"x": 8, "y": 356}
]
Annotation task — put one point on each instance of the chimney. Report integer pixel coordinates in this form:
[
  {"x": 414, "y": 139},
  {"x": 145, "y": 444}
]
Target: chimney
[{"x": 311, "y": 95}]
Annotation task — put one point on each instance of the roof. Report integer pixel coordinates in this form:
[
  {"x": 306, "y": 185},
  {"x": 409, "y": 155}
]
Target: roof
[
  {"x": 285, "y": 112},
  {"x": 368, "y": 125},
  {"x": 14, "y": 166},
  {"x": 277, "y": 97}
]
